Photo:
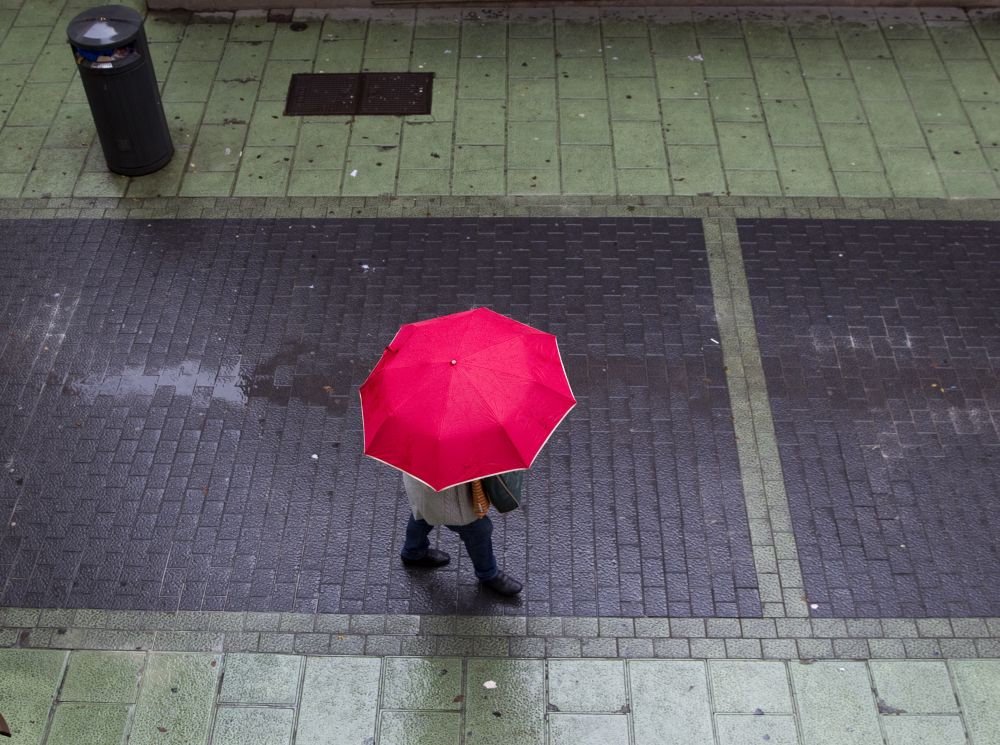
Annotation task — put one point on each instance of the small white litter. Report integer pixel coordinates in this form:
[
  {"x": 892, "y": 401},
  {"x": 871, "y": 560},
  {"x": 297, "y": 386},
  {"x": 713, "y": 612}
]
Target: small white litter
[
  {"x": 491, "y": 684},
  {"x": 714, "y": 341},
  {"x": 354, "y": 173},
  {"x": 696, "y": 58},
  {"x": 315, "y": 456}
]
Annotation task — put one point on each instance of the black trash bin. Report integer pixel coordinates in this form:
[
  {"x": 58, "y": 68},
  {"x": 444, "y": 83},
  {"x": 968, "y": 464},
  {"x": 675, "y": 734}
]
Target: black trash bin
[{"x": 112, "y": 55}]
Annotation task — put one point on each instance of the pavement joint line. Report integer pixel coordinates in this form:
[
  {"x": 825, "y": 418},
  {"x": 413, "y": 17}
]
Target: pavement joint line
[
  {"x": 520, "y": 637},
  {"x": 747, "y": 391},
  {"x": 758, "y": 429},
  {"x": 481, "y": 207}
]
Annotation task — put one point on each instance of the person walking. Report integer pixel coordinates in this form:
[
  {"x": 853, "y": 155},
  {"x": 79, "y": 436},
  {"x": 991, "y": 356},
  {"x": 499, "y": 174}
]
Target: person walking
[
  {"x": 456, "y": 509},
  {"x": 457, "y": 403}
]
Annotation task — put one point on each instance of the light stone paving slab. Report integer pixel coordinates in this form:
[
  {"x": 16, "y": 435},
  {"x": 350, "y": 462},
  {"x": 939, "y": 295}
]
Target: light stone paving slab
[
  {"x": 834, "y": 703},
  {"x": 750, "y": 687},
  {"x": 587, "y": 685},
  {"x": 88, "y": 724},
  {"x": 339, "y": 694},
  {"x": 420, "y": 728},
  {"x": 247, "y": 725},
  {"x": 175, "y": 700},
  {"x": 914, "y": 687},
  {"x": 513, "y": 710},
  {"x": 741, "y": 729},
  {"x": 588, "y": 729},
  {"x": 261, "y": 679},
  {"x": 28, "y": 683},
  {"x": 106, "y": 677},
  {"x": 924, "y": 730},
  {"x": 670, "y": 703},
  {"x": 422, "y": 683},
  {"x": 977, "y": 683}
]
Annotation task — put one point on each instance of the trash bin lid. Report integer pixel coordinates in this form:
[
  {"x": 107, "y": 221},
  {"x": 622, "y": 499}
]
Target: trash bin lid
[{"x": 105, "y": 27}]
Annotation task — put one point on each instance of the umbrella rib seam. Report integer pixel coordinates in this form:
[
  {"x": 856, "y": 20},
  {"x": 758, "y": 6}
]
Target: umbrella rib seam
[
  {"x": 533, "y": 381},
  {"x": 497, "y": 419},
  {"x": 508, "y": 340}
]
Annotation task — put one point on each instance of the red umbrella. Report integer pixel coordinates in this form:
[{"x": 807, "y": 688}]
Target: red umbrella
[{"x": 464, "y": 396}]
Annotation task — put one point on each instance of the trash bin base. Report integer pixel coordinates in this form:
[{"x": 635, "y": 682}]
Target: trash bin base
[{"x": 141, "y": 170}]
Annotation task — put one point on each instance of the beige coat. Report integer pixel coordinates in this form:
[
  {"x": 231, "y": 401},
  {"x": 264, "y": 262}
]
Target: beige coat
[{"x": 452, "y": 506}]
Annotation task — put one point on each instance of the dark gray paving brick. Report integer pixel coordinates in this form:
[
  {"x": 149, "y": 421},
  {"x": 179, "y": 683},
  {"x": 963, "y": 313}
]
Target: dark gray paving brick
[
  {"x": 848, "y": 649},
  {"x": 598, "y": 647},
  {"x": 561, "y": 646},
  {"x": 988, "y": 647},
  {"x": 758, "y": 627},
  {"x": 743, "y": 648},
  {"x": 652, "y": 627},
  {"x": 864, "y": 627},
  {"x": 382, "y": 645},
  {"x": 418, "y": 645},
  {"x": 532, "y": 646},
  {"x": 687, "y": 627},
  {"x": 880, "y": 342},
  {"x": 886, "y": 648},
  {"x": 922, "y": 647},
  {"x": 635, "y": 647},
  {"x": 581, "y": 627},
  {"x": 166, "y": 383},
  {"x": 311, "y": 643},
  {"x": 815, "y": 648},
  {"x": 970, "y": 627},
  {"x": 951, "y": 648},
  {"x": 779, "y": 649},
  {"x": 671, "y": 648},
  {"x": 708, "y": 648}
]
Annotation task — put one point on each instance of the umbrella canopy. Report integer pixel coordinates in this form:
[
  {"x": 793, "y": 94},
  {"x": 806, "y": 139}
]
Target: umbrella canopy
[{"x": 463, "y": 397}]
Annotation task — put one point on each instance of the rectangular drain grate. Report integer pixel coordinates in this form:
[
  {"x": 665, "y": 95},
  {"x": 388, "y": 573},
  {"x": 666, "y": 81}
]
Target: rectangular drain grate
[
  {"x": 366, "y": 93},
  {"x": 315, "y": 94}
]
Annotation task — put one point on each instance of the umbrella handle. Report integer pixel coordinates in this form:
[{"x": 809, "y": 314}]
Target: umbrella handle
[{"x": 480, "y": 503}]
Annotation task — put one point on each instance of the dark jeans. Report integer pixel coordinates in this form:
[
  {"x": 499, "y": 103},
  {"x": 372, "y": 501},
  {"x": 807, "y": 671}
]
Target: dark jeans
[{"x": 475, "y": 536}]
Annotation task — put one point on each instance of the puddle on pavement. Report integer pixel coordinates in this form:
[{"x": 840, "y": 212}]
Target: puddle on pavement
[{"x": 278, "y": 379}]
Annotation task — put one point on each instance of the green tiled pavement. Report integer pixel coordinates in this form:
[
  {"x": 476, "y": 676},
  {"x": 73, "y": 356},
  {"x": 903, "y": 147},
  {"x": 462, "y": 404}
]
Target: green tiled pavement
[
  {"x": 55, "y": 697},
  {"x": 576, "y": 101}
]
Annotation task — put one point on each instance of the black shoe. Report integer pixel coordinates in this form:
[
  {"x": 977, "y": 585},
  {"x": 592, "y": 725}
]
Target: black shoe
[
  {"x": 431, "y": 560},
  {"x": 503, "y": 584}
]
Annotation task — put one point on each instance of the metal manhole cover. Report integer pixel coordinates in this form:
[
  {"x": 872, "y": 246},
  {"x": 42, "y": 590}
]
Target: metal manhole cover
[{"x": 367, "y": 93}]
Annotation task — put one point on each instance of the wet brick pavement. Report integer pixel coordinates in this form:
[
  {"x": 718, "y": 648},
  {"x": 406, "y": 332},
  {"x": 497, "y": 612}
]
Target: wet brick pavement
[
  {"x": 166, "y": 385},
  {"x": 881, "y": 349}
]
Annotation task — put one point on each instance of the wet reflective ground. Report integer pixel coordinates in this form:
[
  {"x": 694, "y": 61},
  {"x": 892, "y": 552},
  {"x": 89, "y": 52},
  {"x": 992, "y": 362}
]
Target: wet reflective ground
[
  {"x": 180, "y": 423},
  {"x": 881, "y": 350}
]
